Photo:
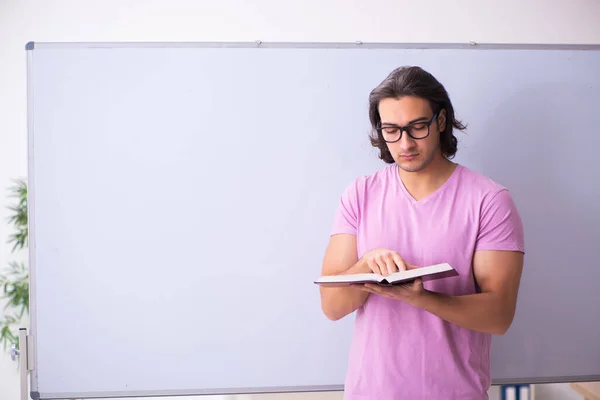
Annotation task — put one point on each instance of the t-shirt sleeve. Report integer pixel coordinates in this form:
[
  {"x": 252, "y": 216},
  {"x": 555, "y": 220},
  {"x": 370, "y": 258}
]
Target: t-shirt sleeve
[
  {"x": 346, "y": 217},
  {"x": 501, "y": 227}
]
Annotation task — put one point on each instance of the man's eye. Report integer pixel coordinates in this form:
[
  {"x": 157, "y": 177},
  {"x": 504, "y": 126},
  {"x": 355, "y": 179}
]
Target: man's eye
[
  {"x": 419, "y": 127},
  {"x": 390, "y": 130}
]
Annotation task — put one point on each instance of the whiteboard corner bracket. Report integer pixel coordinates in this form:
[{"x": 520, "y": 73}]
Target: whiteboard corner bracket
[{"x": 26, "y": 362}]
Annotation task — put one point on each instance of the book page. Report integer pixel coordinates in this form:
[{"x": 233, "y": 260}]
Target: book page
[
  {"x": 350, "y": 278},
  {"x": 418, "y": 272}
]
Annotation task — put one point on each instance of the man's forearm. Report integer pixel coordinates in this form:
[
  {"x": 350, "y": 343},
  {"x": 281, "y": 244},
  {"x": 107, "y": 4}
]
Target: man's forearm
[
  {"x": 483, "y": 312},
  {"x": 337, "y": 302}
]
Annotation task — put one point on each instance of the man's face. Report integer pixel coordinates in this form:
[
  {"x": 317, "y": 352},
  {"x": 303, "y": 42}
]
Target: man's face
[{"x": 411, "y": 154}]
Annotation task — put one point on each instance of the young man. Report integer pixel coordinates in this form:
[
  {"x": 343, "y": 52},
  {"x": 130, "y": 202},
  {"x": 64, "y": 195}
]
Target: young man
[{"x": 423, "y": 340}]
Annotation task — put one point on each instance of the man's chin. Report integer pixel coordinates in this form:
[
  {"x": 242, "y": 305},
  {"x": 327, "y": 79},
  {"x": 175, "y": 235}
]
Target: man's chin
[
  {"x": 411, "y": 166},
  {"x": 410, "y": 169}
]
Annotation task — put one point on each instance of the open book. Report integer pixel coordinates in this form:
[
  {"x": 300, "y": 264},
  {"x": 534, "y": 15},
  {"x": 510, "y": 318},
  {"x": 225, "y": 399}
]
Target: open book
[{"x": 431, "y": 272}]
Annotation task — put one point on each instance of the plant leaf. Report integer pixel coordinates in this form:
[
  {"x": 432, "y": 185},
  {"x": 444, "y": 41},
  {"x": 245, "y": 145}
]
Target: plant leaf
[{"x": 14, "y": 283}]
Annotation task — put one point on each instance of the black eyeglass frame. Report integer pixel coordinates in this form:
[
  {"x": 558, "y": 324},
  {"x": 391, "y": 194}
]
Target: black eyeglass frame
[{"x": 406, "y": 128}]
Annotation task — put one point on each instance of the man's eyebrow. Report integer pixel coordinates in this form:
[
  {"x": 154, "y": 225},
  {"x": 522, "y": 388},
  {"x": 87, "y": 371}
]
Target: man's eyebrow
[{"x": 409, "y": 122}]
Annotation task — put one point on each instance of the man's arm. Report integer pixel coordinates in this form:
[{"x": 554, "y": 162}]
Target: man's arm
[
  {"x": 341, "y": 258},
  {"x": 498, "y": 274}
]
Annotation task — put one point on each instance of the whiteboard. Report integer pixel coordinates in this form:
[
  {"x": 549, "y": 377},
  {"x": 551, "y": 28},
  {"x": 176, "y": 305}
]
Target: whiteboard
[{"x": 181, "y": 197}]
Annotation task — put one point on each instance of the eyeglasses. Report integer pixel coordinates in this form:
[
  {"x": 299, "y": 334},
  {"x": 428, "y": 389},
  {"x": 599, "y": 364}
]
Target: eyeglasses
[{"x": 416, "y": 130}]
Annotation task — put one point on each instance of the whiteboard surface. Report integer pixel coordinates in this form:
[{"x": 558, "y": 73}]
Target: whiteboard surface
[{"x": 181, "y": 200}]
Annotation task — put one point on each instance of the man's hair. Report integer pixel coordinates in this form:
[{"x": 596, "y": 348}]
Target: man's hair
[{"x": 413, "y": 81}]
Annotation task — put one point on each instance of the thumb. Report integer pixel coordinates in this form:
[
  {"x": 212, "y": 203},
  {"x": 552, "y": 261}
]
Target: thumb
[{"x": 418, "y": 283}]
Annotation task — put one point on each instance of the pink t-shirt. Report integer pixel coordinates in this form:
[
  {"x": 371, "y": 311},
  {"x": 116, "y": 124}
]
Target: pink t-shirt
[{"x": 400, "y": 351}]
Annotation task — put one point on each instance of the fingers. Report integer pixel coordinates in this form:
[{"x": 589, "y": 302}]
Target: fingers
[
  {"x": 371, "y": 288},
  {"x": 374, "y": 266},
  {"x": 405, "y": 291},
  {"x": 374, "y": 289},
  {"x": 383, "y": 263},
  {"x": 386, "y": 262},
  {"x": 390, "y": 264},
  {"x": 399, "y": 262}
]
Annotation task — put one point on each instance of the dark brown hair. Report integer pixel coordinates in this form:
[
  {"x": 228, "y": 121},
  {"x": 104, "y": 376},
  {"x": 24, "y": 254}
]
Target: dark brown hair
[{"x": 413, "y": 81}]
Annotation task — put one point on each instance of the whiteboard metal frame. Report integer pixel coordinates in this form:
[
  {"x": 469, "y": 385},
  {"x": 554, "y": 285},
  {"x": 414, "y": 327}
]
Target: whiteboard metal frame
[
  {"x": 31, "y": 225},
  {"x": 30, "y": 46},
  {"x": 312, "y": 45}
]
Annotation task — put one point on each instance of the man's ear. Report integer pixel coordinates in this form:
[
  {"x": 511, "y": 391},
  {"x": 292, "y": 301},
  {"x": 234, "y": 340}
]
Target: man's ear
[{"x": 442, "y": 120}]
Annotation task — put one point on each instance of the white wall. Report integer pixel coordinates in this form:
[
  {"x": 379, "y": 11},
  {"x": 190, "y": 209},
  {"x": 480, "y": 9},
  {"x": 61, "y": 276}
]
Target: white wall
[{"x": 514, "y": 21}]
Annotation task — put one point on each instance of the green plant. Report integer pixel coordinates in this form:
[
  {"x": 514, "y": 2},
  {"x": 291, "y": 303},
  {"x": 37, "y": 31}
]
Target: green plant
[{"x": 14, "y": 282}]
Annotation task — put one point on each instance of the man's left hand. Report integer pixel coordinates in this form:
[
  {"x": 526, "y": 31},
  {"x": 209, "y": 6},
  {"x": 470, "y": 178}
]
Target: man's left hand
[{"x": 407, "y": 292}]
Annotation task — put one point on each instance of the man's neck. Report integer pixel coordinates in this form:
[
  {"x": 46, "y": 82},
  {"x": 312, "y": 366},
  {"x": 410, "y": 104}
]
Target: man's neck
[{"x": 422, "y": 183}]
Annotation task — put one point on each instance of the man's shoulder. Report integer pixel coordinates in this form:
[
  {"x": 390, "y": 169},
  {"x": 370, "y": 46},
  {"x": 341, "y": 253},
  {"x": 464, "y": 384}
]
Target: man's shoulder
[
  {"x": 499, "y": 224},
  {"x": 479, "y": 184},
  {"x": 491, "y": 198},
  {"x": 364, "y": 188},
  {"x": 373, "y": 180}
]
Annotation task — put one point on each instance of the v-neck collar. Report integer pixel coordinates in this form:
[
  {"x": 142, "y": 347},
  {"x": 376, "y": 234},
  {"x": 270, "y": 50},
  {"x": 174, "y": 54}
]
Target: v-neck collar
[{"x": 433, "y": 194}]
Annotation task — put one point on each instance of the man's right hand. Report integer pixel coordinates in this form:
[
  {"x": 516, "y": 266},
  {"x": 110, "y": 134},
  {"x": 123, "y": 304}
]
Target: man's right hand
[{"x": 384, "y": 261}]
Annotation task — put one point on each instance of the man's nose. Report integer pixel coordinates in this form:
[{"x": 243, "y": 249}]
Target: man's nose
[{"x": 406, "y": 142}]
